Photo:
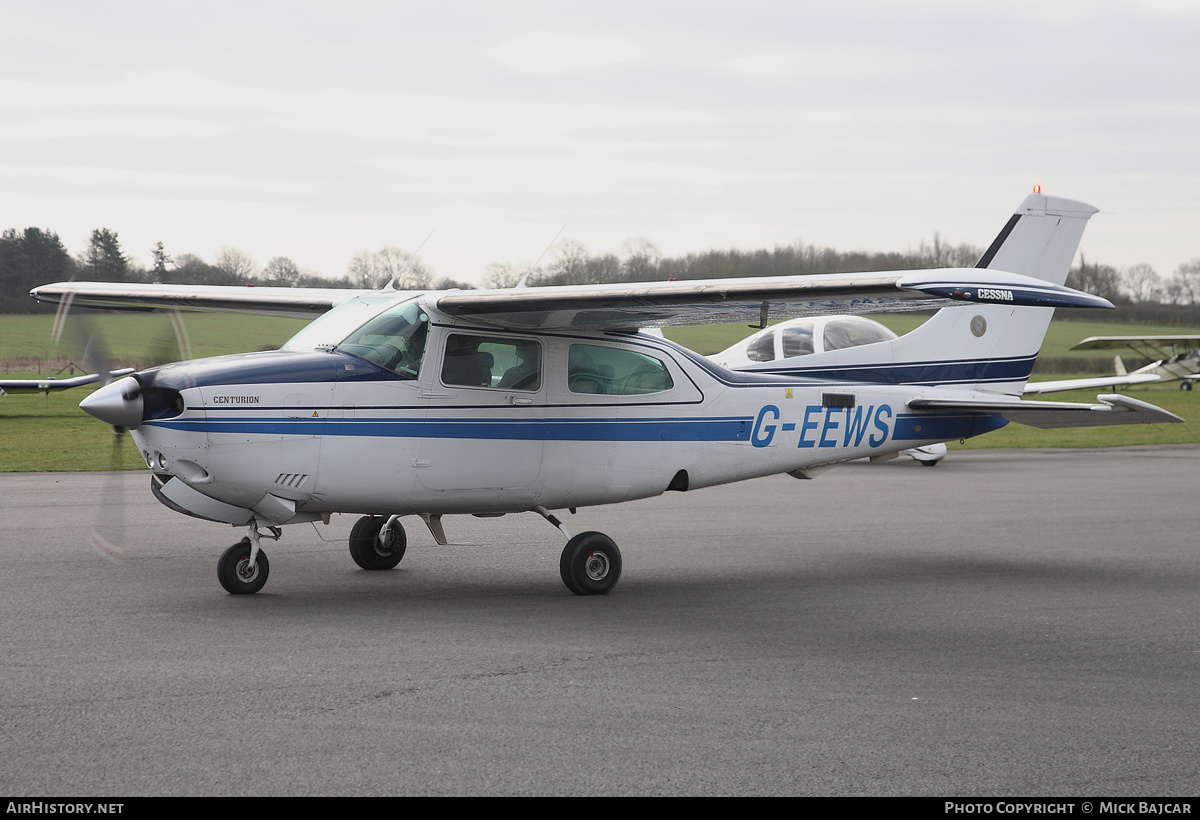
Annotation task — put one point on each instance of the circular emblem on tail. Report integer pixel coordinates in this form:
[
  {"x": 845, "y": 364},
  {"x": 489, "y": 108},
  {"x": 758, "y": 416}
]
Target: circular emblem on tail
[{"x": 978, "y": 325}]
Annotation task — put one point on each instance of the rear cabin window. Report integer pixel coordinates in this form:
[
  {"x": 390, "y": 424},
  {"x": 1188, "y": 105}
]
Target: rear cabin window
[
  {"x": 615, "y": 372},
  {"x": 853, "y": 332},
  {"x": 492, "y": 361}
]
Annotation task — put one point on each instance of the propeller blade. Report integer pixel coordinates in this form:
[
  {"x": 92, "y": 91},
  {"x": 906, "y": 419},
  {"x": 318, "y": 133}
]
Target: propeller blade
[{"x": 108, "y": 534}]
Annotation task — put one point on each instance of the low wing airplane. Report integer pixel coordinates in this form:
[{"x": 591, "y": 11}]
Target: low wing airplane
[
  {"x": 784, "y": 343},
  {"x": 490, "y": 402},
  {"x": 797, "y": 347},
  {"x": 1172, "y": 357},
  {"x": 52, "y": 384}
]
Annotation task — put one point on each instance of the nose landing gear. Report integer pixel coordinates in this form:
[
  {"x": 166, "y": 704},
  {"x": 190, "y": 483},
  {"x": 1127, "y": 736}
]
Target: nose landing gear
[
  {"x": 237, "y": 574},
  {"x": 243, "y": 568}
]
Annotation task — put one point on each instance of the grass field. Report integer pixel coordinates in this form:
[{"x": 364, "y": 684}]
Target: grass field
[{"x": 49, "y": 432}]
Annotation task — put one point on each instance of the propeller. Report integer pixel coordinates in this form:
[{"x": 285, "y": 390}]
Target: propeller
[{"x": 119, "y": 402}]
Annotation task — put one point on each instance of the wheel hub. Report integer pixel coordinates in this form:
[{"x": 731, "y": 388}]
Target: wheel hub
[
  {"x": 596, "y": 566},
  {"x": 246, "y": 571}
]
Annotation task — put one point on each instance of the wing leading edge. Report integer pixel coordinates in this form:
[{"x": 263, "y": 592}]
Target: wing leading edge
[
  {"x": 303, "y": 302},
  {"x": 621, "y": 306}
]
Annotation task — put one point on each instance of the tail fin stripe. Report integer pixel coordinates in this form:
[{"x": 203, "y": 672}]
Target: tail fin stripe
[{"x": 991, "y": 252}]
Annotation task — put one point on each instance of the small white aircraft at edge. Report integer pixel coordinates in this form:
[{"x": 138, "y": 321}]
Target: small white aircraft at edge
[
  {"x": 1172, "y": 357},
  {"x": 490, "y": 402}
]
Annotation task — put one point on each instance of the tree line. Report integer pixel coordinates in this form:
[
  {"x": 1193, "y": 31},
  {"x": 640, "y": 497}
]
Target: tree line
[{"x": 36, "y": 256}]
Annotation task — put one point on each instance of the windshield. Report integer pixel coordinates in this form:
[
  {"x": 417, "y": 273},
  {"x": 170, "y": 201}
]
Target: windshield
[
  {"x": 330, "y": 328},
  {"x": 394, "y": 339}
]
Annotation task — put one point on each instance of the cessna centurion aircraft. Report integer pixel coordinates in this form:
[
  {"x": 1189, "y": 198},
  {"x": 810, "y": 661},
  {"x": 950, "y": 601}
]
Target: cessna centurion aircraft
[{"x": 539, "y": 399}]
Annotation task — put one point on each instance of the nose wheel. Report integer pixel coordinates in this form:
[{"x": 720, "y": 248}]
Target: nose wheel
[
  {"x": 590, "y": 564},
  {"x": 236, "y": 572}
]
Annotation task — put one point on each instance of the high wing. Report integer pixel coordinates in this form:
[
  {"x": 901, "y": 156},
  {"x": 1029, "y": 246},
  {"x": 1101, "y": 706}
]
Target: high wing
[
  {"x": 305, "y": 303},
  {"x": 1114, "y": 409},
  {"x": 49, "y": 385},
  {"x": 1164, "y": 345},
  {"x": 1038, "y": 388},
  {"x": 623, "y": 306},
  {"x": 708, "y": 301}
]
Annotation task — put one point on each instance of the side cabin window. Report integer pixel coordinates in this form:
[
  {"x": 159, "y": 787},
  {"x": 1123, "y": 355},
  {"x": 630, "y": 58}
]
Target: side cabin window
[
  {"x": 615, "y": 372},
  {"x": 762, "y": 349},
  {"x": 492, "y": 361},
  {"x": 394, "y": 339},
  {"x": 797, "y": 340}
]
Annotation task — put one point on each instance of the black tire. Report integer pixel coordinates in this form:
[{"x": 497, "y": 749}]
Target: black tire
[
  {"x": 1186, "y": 384},
  {"x": 590, "y": 564},
  {"x": 365, "y": 548},
  {"x": 233, "y": 572},
  {"x": 930, "y": 463}
]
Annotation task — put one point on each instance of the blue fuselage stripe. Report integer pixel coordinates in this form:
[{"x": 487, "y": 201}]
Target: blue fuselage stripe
[{"x": 705, "y": 429}]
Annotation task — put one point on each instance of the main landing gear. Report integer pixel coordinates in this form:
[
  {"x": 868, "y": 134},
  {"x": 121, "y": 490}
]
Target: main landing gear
[
  {"x": 377, "y": 543},
  {"x": 590, "y": 563}
]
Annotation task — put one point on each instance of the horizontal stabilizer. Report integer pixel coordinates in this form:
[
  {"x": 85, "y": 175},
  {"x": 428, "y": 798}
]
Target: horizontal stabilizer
[
  {"x": 1038, "y": 388},
  {"x": 1114, "y": 409}
]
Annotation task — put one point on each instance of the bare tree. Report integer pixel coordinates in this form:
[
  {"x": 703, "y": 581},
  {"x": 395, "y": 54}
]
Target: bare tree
[
  {"x": 282, "y": 271},
  {"x": 374, "y": 269},
  {"x": 641, "y": 258},
  {"x": 503, "y": 275},
  {"x": 1100, "y": 280},
  {"x": 1183, "y": 288},
  {"x": 236, "y": 266},
  {"x": 1143, "y": 284},
  {"x": 570, "y": 264}
]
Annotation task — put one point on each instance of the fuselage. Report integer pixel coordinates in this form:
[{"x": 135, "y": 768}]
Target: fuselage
[{"x": 484, "y": 420}]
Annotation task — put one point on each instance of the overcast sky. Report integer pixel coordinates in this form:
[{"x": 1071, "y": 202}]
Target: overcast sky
[{"x": 315, "y": 130}]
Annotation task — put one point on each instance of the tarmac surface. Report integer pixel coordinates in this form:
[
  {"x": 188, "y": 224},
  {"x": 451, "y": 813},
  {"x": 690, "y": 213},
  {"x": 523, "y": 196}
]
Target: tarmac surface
[{"x": 1008, "y": 623}]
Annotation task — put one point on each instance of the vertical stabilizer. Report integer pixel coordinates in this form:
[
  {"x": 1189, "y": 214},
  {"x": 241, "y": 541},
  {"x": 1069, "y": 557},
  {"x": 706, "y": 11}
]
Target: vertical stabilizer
[{"x": 993, "y": 347}]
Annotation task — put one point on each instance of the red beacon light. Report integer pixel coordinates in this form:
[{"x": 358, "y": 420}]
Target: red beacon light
[{"x": 1037, "y": 189}]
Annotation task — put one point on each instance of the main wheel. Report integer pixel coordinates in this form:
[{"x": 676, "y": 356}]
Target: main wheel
[
  {"x": 366, "y": 550},
  {"x": 236, "y": 574},
  {"x": 590, "y": 564},
  {"x": 1186, "y": 384}
]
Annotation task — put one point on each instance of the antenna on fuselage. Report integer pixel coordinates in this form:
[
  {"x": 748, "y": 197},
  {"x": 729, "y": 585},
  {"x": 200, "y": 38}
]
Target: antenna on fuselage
[
  {"x": 533, "y": 267},
  {"x": 391, "y": 285}
]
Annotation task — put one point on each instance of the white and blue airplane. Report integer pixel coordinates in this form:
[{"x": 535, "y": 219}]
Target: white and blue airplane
[{"x": 489, "y": 402}]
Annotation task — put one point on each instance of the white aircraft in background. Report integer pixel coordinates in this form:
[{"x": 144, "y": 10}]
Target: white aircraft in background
[
  {"x": 1171, "y": 357},
  {"x": 786, "y": 341},
  {"x": 489, "y": 402},
  {"x": 796, "y": 348},
  {"x": 52, "y": 384}
]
